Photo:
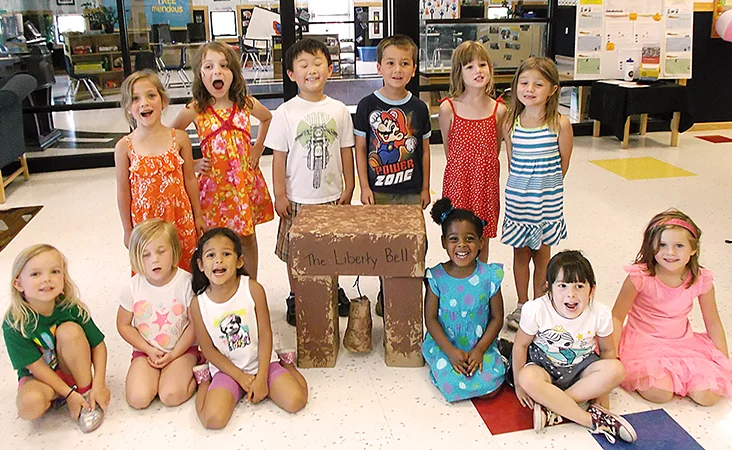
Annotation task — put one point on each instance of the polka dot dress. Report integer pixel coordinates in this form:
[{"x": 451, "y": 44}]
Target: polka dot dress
[
  {"x": 463, "y": 313},
  {"x": 472, "y": 174}
]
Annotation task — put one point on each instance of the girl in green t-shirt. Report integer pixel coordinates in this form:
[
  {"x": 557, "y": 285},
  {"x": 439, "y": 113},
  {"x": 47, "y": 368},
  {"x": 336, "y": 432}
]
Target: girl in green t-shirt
[{"x": 52, "y": 341}]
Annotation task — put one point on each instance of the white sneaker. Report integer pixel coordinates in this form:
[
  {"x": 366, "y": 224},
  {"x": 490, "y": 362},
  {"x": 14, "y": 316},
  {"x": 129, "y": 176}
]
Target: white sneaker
[{"x": 513, "y": 319}]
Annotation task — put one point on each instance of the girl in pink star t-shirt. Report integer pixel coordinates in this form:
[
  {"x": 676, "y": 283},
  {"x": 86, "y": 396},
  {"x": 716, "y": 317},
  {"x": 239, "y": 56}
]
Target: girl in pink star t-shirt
[{"x": 153, "y": 318}]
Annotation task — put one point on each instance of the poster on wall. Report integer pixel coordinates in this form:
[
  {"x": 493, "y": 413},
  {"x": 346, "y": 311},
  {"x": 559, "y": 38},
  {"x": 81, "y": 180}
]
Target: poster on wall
[
  {"x": 176, "y": 13},
  {"x": 611, "y": 36},
  {"x": 440, "y": 9}
]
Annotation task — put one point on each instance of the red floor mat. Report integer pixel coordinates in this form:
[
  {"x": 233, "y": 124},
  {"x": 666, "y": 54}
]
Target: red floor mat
[
  {"x": 715, "y": 138},
  {"x": 504, "y": 413}
]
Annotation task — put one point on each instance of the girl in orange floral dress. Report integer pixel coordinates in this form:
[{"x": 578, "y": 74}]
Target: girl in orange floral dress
[
  {"x": 233, "y": 191},
  {"x": 154, "y": 164}
]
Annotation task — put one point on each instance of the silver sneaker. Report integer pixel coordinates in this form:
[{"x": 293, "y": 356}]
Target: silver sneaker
[
  {"x": 513, "y": 319},
  {"x": 90, "y": 420}
]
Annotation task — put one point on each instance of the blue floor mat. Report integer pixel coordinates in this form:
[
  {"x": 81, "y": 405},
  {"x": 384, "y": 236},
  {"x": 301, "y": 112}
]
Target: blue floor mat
[{"x": 656, "y": 430}]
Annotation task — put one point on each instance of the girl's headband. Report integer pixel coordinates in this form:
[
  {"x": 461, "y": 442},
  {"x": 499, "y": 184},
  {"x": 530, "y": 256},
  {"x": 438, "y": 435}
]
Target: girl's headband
[{"x": 683, "y": 224}]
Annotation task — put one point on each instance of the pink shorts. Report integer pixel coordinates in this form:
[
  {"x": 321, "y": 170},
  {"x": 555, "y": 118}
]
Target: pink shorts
[
  {"x": 222, "y": 380},
  {"x": 192, "y": 350}
]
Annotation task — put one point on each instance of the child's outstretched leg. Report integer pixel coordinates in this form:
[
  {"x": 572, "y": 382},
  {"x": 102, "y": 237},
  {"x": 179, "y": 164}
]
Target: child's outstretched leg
[
  {"x": 141, "y": 385},
  {"x": 34, "y": 398},
  {"x": 250, "y": 250},
  {"x": 215, "y": 404},
  {"x": 176, "y": 380},
  {"x": 287, "y": 387},
  {"x": 74, "y": 356},
  {"x": 541, "y": 259}
]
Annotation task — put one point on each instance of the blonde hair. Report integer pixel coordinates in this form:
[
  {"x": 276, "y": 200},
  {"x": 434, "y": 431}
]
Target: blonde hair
[
  {"x": 129, "y": 83},
  {"x": 652, "y": 238},
  {"x": 466, "y": 53},
  {"x": 548, "y": 70},
  {"x": 143, "y": 233},
  {"x": 238, "y": 92},
  {"x": 21, "y": 315}
]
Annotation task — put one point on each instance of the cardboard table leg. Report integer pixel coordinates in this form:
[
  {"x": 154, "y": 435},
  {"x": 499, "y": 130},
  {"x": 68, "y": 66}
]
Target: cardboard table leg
[
  {"x": 403, "y": 331},
  {"x": 316, "y": 304}
]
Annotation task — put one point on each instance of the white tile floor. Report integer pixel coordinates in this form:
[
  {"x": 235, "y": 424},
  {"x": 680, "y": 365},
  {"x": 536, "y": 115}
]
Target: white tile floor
[{"x": 361, "y": 403}]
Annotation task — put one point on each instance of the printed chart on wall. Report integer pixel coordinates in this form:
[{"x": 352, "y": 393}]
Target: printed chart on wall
[{"x": 647, "y": 39}]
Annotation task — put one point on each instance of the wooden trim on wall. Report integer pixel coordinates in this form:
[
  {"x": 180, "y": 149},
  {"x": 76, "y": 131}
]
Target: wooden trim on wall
[
  {"x": 703, "y": 6},
  {"x": 711, "y": 126},
  {"x": 206, "y": 19},
  {"x": 239, "y": 8}
]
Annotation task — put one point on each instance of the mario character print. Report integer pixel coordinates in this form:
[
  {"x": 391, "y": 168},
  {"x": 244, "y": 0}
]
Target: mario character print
[{"x": 392, "y": 151}]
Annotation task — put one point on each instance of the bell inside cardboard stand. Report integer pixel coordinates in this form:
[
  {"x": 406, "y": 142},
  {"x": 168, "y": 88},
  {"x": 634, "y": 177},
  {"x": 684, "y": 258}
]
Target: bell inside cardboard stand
[{"x": 378, "y": 240}]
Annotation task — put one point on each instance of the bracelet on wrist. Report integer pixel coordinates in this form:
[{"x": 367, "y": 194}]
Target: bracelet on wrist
[{"x": 73, "y": 389}]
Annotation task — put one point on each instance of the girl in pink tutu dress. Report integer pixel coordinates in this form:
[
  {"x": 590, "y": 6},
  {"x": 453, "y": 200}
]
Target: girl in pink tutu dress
[{"x": 662, "y": 355}]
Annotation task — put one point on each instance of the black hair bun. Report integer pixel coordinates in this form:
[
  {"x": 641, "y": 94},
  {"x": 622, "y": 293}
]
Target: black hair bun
[{"x": 439, "y": 208}]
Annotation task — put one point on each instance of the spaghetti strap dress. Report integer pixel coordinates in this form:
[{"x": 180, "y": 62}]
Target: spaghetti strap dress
[
  {"x": 158, "y": 190},
  {"x": 473, "y": 171},
  {"x": 233, "y": 195},
  {"x": 534, "y": 190}
]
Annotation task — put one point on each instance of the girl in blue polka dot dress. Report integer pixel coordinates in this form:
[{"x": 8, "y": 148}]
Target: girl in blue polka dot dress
[{"x": 463, "y": 311}]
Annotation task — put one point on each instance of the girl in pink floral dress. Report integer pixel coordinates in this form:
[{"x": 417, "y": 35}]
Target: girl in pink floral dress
[{"x": 233, "y": 191}]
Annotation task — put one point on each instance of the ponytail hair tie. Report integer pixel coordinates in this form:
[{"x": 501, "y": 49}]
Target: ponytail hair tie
[{"x": 444, "y": 215}]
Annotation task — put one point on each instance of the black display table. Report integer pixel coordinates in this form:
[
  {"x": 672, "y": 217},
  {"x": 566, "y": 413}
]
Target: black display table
[{"x": 613, "y": 104}]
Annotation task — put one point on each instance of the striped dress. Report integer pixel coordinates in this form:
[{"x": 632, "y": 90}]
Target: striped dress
[{"x": 534, "y": 190}]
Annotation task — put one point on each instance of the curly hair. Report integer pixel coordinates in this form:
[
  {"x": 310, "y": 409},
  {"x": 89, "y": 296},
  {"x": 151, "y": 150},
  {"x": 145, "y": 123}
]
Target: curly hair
[
  {"x": 200, "y": 281},
  {"x": 444, "y": 214}
]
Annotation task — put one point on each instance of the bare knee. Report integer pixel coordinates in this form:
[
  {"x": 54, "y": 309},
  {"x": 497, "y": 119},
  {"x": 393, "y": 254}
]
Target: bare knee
[
  {"x": 174, "y": 396},
  {"x": 529, "y": 380},
  {"x": 296, "y": 401},
  {"x": 213, "y": 419},
  {"x": 70, "y": 332},
  {"x": 616, "y": 368},
  {"x": 32, "y": 405},
  {"x": 138, "y": 398},
  {"x": 704, "y": 398},
  {"x": 657, "y": 395}
]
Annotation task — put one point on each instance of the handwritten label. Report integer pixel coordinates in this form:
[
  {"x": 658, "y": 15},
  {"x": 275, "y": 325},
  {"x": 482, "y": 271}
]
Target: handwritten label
[{"x": 364, "y": 258}]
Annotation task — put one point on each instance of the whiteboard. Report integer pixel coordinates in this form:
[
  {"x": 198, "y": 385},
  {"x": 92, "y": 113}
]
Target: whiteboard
[
  {"x": 261, "y": 25},
  {"x": 611, "y": 32}
]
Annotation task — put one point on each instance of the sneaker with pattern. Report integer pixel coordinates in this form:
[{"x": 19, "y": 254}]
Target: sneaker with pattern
[
  {"x": 611, "y": 425},
  {"x": 544, "y": 417}
]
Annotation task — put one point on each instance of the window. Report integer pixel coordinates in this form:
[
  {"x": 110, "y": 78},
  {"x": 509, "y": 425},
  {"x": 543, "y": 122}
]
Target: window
[
  {"x": 69, "y": 22},
  {"x": 223, "y": 23}
]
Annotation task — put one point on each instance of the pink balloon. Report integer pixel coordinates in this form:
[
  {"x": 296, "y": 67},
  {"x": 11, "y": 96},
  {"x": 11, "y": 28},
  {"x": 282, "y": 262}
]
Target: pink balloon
[{"x": 724, "y": 25}]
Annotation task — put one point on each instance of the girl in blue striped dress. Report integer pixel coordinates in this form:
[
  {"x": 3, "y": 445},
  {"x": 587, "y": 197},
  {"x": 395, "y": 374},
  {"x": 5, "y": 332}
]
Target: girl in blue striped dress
[{"x": 539, "y": 149}]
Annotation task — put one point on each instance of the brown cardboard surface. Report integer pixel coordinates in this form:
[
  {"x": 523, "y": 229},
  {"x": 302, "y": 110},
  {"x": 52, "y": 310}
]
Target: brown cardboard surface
[
  {"x": 316, "y": 306},
  {"x": 387, "y": 240},
  {"x": 403, "y": 331}
]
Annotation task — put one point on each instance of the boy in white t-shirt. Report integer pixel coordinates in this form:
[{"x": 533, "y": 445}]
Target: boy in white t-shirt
[
  {"x": 311, "y": 136},
  {"x": 555, "y": 366}
]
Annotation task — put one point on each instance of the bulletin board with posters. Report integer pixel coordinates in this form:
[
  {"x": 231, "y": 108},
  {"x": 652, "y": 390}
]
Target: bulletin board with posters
[{"x": 653, "y": 35}]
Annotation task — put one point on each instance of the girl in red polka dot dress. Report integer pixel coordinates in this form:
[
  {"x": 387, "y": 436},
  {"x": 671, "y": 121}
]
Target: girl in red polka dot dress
[{"x": 468, "y": 119}]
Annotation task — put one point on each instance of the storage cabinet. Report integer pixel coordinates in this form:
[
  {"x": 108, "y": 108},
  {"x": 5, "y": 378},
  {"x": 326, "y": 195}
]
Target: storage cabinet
[{"x": 101, "y": 55}]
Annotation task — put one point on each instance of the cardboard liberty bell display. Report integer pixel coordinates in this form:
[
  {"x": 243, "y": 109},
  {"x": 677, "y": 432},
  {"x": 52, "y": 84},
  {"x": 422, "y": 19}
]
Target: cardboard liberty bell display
[{"x": 378, "y": 240}]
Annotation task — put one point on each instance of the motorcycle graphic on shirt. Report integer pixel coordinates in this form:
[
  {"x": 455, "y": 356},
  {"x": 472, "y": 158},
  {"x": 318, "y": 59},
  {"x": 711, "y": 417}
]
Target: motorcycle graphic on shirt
[{"x": 316, "y": 132}]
